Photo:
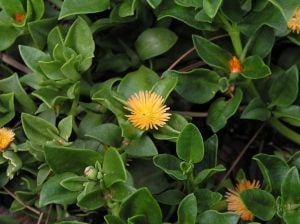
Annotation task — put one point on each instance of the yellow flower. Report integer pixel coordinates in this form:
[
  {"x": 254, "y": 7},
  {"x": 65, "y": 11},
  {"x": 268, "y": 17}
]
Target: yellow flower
[
  {"x": 235, "y": 65},
  {"x": 6, "y": 138},
  {"x": 147, "y": 110},
  {"x": 235, "y": 202},
  {"x": 294, "y": 22}
]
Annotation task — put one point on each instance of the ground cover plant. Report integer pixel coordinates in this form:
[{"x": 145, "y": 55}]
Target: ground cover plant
[{"x": 149, "y": 111}]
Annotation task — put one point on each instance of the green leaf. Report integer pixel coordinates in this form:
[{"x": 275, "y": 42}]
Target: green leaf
[
  {"x": 74, "y": 183},
  {"x": 39, "y": 30},
  {"x": 261, "y": 203},
  {"x": 53, "y": 192},
  {"x": 295, "y": 160},
  {"x": 9, "y": 35},
  {"x": 284, "y": 89},
  {"x": 170, "y": 165},
  {"x": 92, "y": 200},
  {"x": 190, "y": 146},
  {"x": 127, "y": 8},
  {"x": 65, "y": 127},
  {"x": 220, "y": 111},
  {"x": 211, "y": 7},
  {"x": 58, "y": 158},
  {"x": 108, "y": 133},
  {"x": 12, "y": 7},
  {"x": 256, "y": 110},
  {"x": 12, "y": 84},
  {"x": 37, "y": 129},
  {"x": 211, "y": 53},
  {"x": 32, "y": 56},
  {"x": 14, "y": 163},
  {"x": 183, "y": 14},
  {"x": 211, "y": 152},
  {"x": 215, "y": 217},
  {"x": 38, "y": 9},
  {"x": 42, "y": 174},
  {"x": 196, "y": 86},
  {"x": 141, "y": 202},
  {"x": 206, "y": 173},
  {"x": 75, "y": 7},
  {"x": 286, "y": 8},
  {"x": 154, "y": 3},
  {"x": 164, "y": 86},
  {"x": 80, "y": 39},
  {"x": 172, "y": 129},
  {"x": 289, "y": 114},
  {"x": 255, "y": 68},
  {"x": 273, "y": 170},
  {"x": 110, "y": 219},
  {"x": 154, "y": 41},
  {"x": 290, "y": 187},
  {"x": 292, "y": 217},
  {"x": 264, "y": 42},
  {"x": 142, "y": 79},
  {"x": 170, "y": 197},
  {"x": 207, "y": 199},
  {"x": 7, "y": 108},
  {"x": 141, "y": 147},
  {"x": 269, "y": 15},
  {"x": 187, "y": 209},
  {"x": 113, "y": 168}
]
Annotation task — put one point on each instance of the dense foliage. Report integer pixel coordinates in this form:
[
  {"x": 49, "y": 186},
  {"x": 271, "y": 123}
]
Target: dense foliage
[{"x": 149, "y": 111}]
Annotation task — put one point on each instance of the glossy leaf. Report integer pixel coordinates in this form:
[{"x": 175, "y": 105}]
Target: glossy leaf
[
  {"x": 284, "y": 89},
  {"x": 37, "y": 129},
  {"x": 273, "y": 170},
  {"x": 256, "y": 110},
  {"x": 211, "y": 7},
  {"x": 261, "y": 203},
  {"x": 190, "y": 149},
  {"x": 113, "y": 168},
  {"x": 154, "y": 41},
  {"x": 255, "y": 68},
  {"x": 187, "y": 210},
  {"x": 220, "y": 111},
  {"x": 141, "y": 147},
  {"x": 211, "y": 53},
  {"x": 142, "y": 79},
  {"x": 73, "y": 7},
  {"x": 215, "y": 217},
  {"x": 92, "y": 200},
  {"x": 290, "y": 187},
  {"x": 53, "y": 192},
  {"x": 7, "y": 108},
  {"x": 197, "y": 86},
  {"x": 59, "y": 157},
  {"x": 108, "y": 133},
  {"x": 12, "y": 84},
  {"x": 170, "y": 165},
  {"x": 141, "y": 202}
]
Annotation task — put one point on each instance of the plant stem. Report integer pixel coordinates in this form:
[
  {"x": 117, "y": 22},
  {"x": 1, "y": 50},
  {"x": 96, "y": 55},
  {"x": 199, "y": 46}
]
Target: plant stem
[
  {"x": 35, "y": 211},
  {"x": 191, "y": 113},
  {"x": 12, "y": 62},
  {"x": 285, "y": 131},
  {"x": 234, "y": 34},
  {"x": 240, "y": 156}
]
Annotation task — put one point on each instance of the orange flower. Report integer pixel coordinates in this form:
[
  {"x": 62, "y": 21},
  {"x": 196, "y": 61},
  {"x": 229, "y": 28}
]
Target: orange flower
[
  {"x": 235, "y": 65},
  {"x": 19, "y": 17},
  {"x": 235, "y": 202},
  {"x": 147, "y": 110},
  {"x": 6, "y": 138},
  {"x": 294, "y": 22}
]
